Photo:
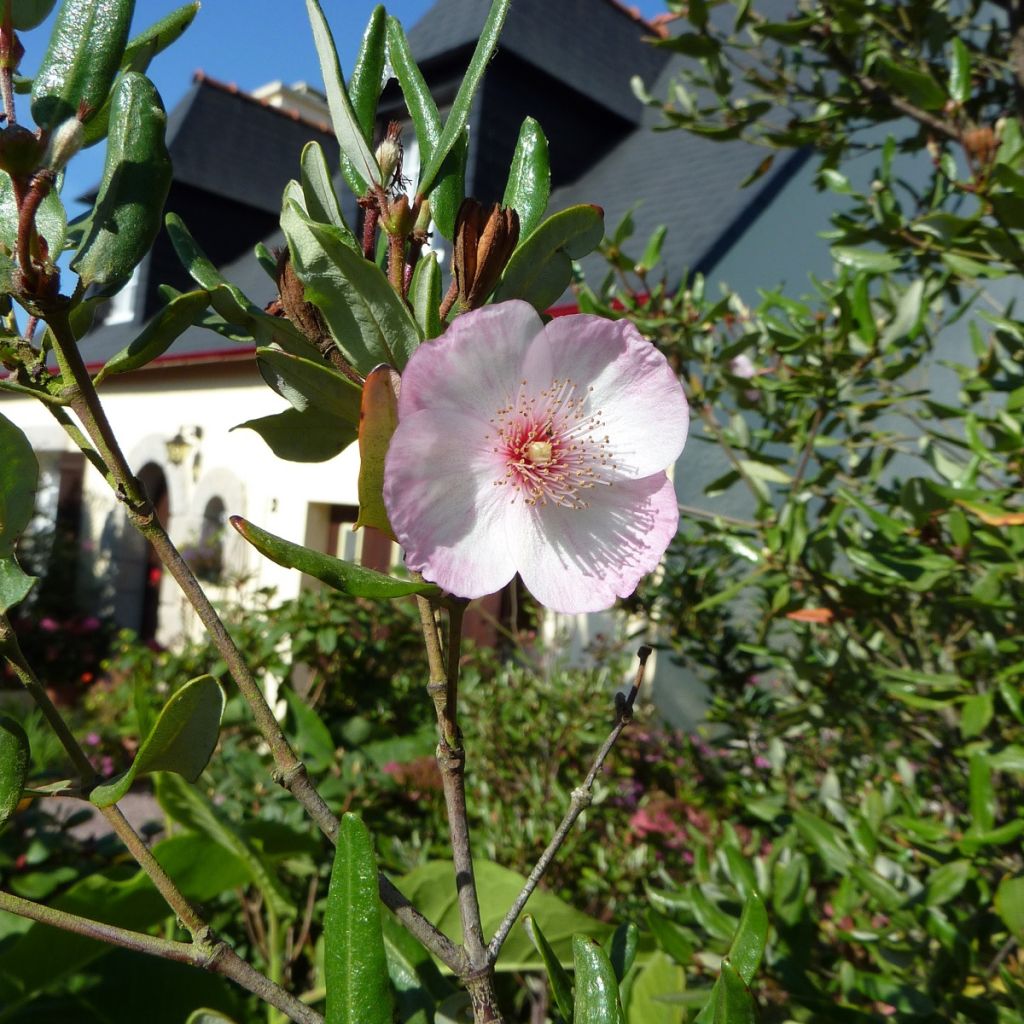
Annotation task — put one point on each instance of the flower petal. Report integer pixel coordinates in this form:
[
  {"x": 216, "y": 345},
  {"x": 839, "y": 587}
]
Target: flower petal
[
  {"x": 638, "y": 396},
  {"x": 581, "y": 560},
  {"x": 475, "y": 367},
  {"x": 444, "y": 504}
]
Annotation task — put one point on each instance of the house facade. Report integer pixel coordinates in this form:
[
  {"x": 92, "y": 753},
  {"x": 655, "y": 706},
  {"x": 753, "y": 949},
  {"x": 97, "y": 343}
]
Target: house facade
[{"x": 569, "y": 66}]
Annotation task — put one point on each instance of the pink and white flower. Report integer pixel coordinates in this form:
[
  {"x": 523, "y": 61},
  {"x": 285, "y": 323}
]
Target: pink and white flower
[{"x": 536, "y": 449}]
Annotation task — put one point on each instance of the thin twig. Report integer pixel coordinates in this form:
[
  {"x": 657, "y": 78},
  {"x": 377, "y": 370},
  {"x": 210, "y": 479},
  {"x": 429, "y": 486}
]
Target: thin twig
[
  {"x": 579, "y": 801},
  {"x": 216, "y": 957}
]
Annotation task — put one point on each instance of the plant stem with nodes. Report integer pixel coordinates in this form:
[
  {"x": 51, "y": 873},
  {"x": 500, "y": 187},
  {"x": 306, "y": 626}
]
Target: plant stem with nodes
[{"x": 289, "y": 771}]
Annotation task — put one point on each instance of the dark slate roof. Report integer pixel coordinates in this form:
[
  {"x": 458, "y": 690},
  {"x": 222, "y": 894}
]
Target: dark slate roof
[
  {"x": 230, "y": 144},
  {"x": 607, "y": 42},
  {"x": 689, "y": 183}
]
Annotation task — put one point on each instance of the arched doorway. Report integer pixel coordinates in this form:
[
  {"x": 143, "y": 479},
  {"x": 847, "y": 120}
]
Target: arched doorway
[{"x": 152, "y": 478}]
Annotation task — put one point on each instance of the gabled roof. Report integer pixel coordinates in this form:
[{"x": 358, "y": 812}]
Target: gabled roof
[
  {"x": 230, "y": 144},
  {"x": 607, "y": 43}
]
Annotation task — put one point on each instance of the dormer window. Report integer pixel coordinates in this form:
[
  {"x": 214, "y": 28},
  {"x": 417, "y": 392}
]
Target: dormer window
[{"x": 122, "y": 306}]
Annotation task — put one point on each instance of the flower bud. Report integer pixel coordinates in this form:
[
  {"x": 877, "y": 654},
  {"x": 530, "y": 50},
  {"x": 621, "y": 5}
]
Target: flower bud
[
  {"x": 389, "y": 155},
  {"x": 484, "y": 242},
  {"x": 397, "y": 218},
  {"x": 65, "y": 142},
  {"x": 21, "y": 151}
]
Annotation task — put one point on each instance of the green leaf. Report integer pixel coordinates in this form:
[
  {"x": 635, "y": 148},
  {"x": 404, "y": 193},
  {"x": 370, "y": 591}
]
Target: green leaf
[
  {"x": 459, "y": 113},
  {"x": 419, "y": 985},
  {"x": 907, "y": 320},
  {"x": 1009, "y": 904},
  {"x": 918, "y": 86},
  {"x": 307, "y": 384},
  {"x": 158, "y": 335},
  {"x": 425, "y": 296},
  {"x": 659, "y": 980},
  {"x": 312, "y": 737},
  {"x": 597, "y": 991},
  {"x": 561, "y": 985},
  {"x": 368, "y": 321},
  {"x": 365, "y": 85},
  {"x": 15, "y": 584},
  {"x": 426, "y": 121},
  {"x": 946, "y": 882},
  {"x": 205, "y": 1016},
  {"x": 14, "y": 761},
  {"x": 86, "y": 46},
  {"x": 982, "y": 797},
  {"x": 621, "y": 948},
  {"x": 960, "y": 72},
  {"x": 355, "y": 964},
  {"x": 138, "y": 54},
  {"x": 529, "y": 177},
  {"x": 735, "y": 1004},
  {"x": 826, "y": 839},
  {"x": 28, "y": 14},
  {"x": 19, "y": 477},
  {"x": 347, "y": 128},
  {"x": 975, "y": 715},
  {"x": 430, "y": 888},
  {"x": 866, "y": 259},
  {"x": 349, "y": 579},
  {"x": 136, "y": 179},
  {"x": 378, "y": 419},
  {"x": 182, "y": 739},
  {"x": 751, "y": 937},
  {"x": 541, "y": 268},
  {"x": 670, "y": 937},
  {"x": 307, "y": 436},
  {"x": 450, "y": 188},
  {"x": 320, "y": 199}
]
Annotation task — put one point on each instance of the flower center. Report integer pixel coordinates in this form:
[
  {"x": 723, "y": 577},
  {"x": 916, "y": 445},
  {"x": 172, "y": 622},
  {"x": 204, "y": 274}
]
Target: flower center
[{"x": 551, "y": 446}]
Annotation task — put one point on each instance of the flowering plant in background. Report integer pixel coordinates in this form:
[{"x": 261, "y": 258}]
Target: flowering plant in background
[{"x": 536, "y": 449}]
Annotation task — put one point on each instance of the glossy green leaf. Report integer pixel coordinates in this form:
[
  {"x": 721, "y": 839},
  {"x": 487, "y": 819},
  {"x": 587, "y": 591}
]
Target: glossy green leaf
[
  {"x": 51, "y": 219},
  {"x": 918, "y": 86},
  {"x": 355, "y": 964},
  {"x": 158, "y": 335},
  {"x": 946, "y": 882},
  {"x": 651, "y": 995},
  {"x": 308, "y": 384},
  {"x": 78, "y": 68},
  {"x": 529, "y": 178},
  {"x": 621, "y": 947},
  {"x": 307, "y": 436},
  {"x": 597, "y": 991},
  {"x": 751, "y": 938},
  {"x": 1009, "y": 903},
  {"x": 138, "y": 54},
  {"x": 378, "y": 419},
  {"x": 670, "y": 937},
  {"x": 367, "y": 80},
  {"x": 136, "y": 179},
  {"x": 982, "y": 797},
  {"x": 735, "y": 1005},
  {"x": 459, "y": 113},
  {"x": 27, "y": 14},
  {"x": 19, "y": 476},
  {"x": 15, "y": 583},
  {"x": 426, "y": 120},
  {"x": 826, "y": 839},
  {"x": 866, "y": 259},
  {"x": 347, "y": 128},
  {"x": 561, "y": 984},
  {"x": 541, "y": 268},
  {"x": 182, "y": 740},
  {"x": 311, "y": 736},
  {"x": 349, "y": 579},
  {"x": 425, "y": 295},
  {"x": 450, "y": 187},
  {"x": 368, "y": 321},
  {"x": 319, "y": 197},
  {"x": 14, "y": 762}
]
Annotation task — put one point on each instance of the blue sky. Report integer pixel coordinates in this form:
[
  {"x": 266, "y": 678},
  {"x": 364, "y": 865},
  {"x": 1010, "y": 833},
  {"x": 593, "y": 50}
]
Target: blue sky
[{"x": 247, "y": 42}]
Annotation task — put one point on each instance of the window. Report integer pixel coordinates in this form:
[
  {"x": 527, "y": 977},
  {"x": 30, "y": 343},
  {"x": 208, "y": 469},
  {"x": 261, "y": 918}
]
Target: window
[{"x": 122, "y": 306}]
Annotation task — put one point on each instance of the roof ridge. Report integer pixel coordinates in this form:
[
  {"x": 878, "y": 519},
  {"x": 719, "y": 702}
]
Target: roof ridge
[
  {"x": 658, "y": 25},
  {"x": 200, "y": 77}
]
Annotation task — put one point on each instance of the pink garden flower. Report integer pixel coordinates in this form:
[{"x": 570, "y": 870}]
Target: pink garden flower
[{"x": 539, "y": 450}]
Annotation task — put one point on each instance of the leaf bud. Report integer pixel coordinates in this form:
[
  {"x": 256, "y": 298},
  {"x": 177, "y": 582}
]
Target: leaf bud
[
  {"x": 389, "y": 155},
  {"x": 485, "y": 239},
  {"x": 397, "y": 218},
  {"x": 65, "y": 142}
]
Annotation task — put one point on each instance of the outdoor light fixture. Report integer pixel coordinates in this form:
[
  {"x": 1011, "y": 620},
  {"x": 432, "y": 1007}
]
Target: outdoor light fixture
[{"x": 178, "y": 446}]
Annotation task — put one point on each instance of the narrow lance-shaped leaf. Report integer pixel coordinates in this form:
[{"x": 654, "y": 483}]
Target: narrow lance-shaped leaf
[
  {"x": 459, "y": 113},
  {"x": 346, "y": 126},
  {"x": 529, "y": 177},
  {"x": 751, "y": 936},
  {"x": 426, "y": 120},
  {"x": 366, "y": 82},
  {"x": 14, "y": 758},
  {"x": 378, "y": 418},
  {"x": 960, "y": 72},
  {"x": 561, "y": 985},
  {"x": 450, "y": 189},
  {"x": 319, "y": 197},
  {"x": 597, "y": 991},
  {"x": 86, "y": 46},
  {"x": 425, "y": 295},
  {"x": 19, "y": 477},
  {"x": 355, "y": 964},
  {"x": 344, "y": 576},
  {"x": 182, "y": 740},
  {"x": 734, "y": 1004},
  {"x": 158, "y": 335},
  {"x": 622, "y": 948}
]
